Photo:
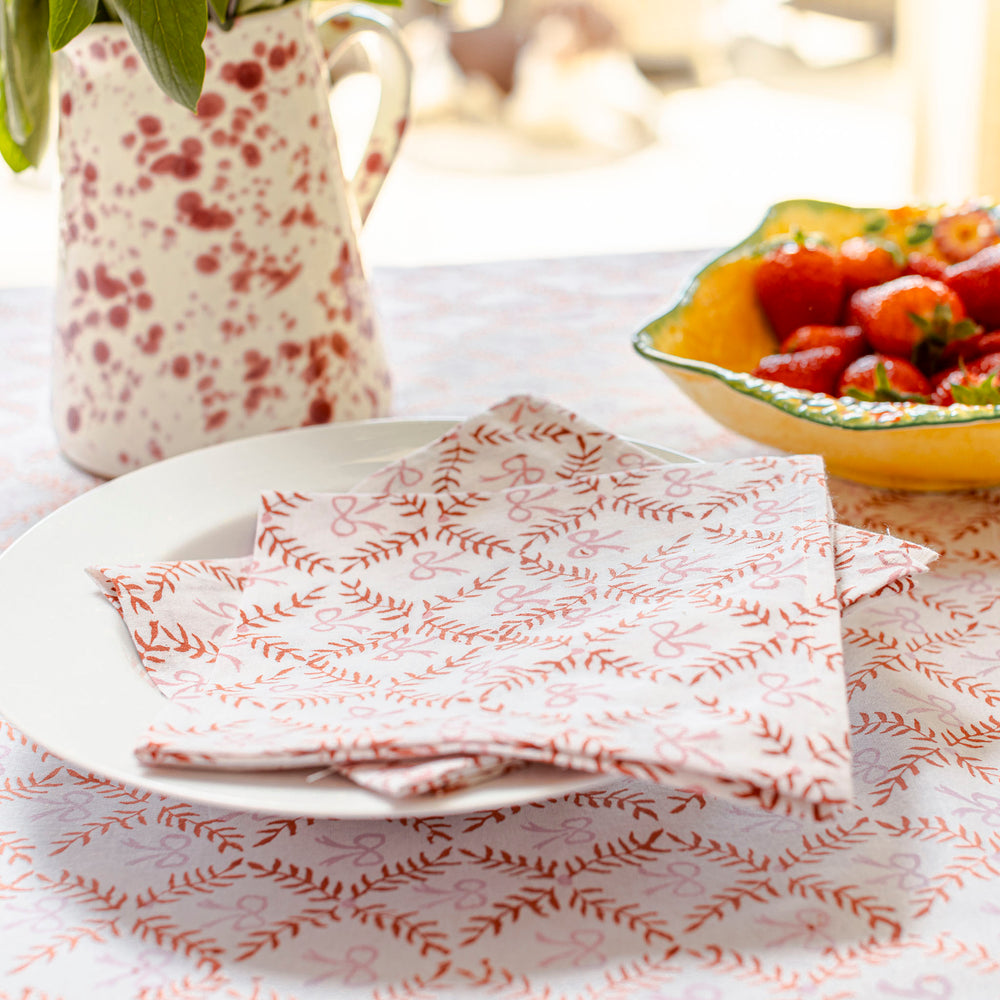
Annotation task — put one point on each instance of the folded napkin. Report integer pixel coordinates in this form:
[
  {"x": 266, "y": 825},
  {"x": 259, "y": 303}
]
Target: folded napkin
[{"x": 527, "y": 588}]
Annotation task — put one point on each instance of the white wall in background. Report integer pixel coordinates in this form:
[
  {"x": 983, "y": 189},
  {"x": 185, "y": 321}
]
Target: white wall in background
[{"x": 942, "y": 50}]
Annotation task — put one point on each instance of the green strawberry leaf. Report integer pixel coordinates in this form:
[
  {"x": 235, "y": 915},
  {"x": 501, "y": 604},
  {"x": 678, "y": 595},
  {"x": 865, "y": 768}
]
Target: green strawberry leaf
[
  {"x": 798, "y": 238},
  {"x": 67, "y": 18},
  {"x": 884, "y": 391},
  {"x": 921, "y": 232},
  {"x": 876, "y": 225},
  {"x": 936, "y": 333},
  {"x": 986, "y": 393},
  {"x": 805, "y": 239},
  {"x": 168, "y": 35},
  {"x": 941, "y": 325}
]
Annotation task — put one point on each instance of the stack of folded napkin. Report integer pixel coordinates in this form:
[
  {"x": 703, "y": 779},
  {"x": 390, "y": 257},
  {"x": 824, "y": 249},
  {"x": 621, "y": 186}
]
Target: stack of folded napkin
[{"x": 528, "y": 587}]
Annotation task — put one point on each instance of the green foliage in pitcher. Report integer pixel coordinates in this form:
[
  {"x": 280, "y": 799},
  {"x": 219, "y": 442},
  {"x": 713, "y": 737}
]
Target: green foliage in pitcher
[
  {"x": 25, "y": 69},
  {"x": 168, "y": 35}
]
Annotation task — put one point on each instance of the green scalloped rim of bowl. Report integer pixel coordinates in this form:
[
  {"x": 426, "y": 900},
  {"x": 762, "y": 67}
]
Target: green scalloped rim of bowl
[{"x": 817, "y": 407}]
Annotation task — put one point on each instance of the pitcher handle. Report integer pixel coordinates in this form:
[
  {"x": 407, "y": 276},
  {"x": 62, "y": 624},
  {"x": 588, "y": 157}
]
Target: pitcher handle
[{"x": 393, "y": 67}]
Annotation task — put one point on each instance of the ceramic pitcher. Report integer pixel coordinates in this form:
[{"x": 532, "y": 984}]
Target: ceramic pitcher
[{"x": 210, "y": 284}]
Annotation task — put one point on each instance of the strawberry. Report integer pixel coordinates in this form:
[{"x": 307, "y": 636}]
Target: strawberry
[
  {"x": 977, "y": 390},
  {"x": 969, "y": 348},
  {"x": 986, "y": 361},
  {"x": 815, "y": 369},
  {"x": 962, "y": 234},
  {"x": 849, "y": 339},
  {"x": 879, "y": 378},
  {"x": 976, "y": 281},
  {"x": 797, "y": 284},
  {"x": 969, "y": 388},
  {"x": 965, "y": 385},
  {"x": 910, "y": 317},
  {"x": 988, "y": 364},
  {"x": 867, "y": 261},
  {"x": 926, "y": 266}
]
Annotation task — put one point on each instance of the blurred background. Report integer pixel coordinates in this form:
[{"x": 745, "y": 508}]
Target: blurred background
[{"x": 573, "y": 127}]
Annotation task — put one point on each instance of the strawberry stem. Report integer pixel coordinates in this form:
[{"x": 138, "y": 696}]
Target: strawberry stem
[
  {"x": 936, "y": 332},
  {"x": 986, "y": 393},
  {"x": 884, "y": 391}
]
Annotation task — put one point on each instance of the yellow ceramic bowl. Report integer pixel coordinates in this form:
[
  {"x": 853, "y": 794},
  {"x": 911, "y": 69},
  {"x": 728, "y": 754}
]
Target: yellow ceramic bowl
[{"x": 715, "y": 333}]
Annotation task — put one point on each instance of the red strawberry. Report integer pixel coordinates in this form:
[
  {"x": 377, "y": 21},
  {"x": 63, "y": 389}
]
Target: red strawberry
[
  {"x": 866, "y": 261},
  {"x": 910, "y": 316},
  {"x": 926, "y": 266},
  {"x": 963, "y": 234},
  {"x": 970, "y": 347},
  {"x": 849, "y": 339},
  {"x": 976, "y": 281},
  {"x": 970, "y": 388},
  {"x": 977, "y": 390},
  {"x": 986, "y": 364},
  {"x": 815, "y": 369},
  {"x": 973, "y": 381},
  {"x": 877, "y": 377},
  {"x": 799, "y": 284}
]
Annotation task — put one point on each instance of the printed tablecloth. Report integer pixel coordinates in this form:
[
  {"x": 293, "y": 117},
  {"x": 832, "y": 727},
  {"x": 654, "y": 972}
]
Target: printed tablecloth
[{"x": 627, "y": 891}]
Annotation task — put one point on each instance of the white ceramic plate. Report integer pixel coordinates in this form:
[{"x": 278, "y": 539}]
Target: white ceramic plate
[{"x": 70, "y": 679}]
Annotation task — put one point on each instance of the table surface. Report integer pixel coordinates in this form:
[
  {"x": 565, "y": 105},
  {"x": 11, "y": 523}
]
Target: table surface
[{"x": 631, "y": 891}]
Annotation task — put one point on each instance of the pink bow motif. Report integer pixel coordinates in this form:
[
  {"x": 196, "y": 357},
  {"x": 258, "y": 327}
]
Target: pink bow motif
[
  {"x": 516, "y": 470},
  {"x": 782, "y": 693},
  {"x": 427, "y": 565},
  {"x": 521, "y": 511},
  {"x": 347, "y": 518},
  {"x": 679, "y": 744},
  {"x": 516, "y": 596},
  {"x": 770, "y": 571},
  {"x": 669, "y": 636},
  {"x": 589, "y": 542}
]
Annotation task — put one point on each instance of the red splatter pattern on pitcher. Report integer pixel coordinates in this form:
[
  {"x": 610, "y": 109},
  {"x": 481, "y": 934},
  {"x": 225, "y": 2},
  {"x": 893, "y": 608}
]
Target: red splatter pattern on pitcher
[{"x": 210, "y": 283}]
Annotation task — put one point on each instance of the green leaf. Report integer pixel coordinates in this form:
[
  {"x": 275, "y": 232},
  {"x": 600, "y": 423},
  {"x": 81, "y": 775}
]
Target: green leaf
[
  {"x": 14, "y": 109},
  {"x": 169, "y": 36},
  {"x": 797, "y": 238},
  {"x": 921, "y": 232},
  {"x": 255, "y": 6},
  {"x": 67, "y": 18},
  {"x": 226, "y": 11},
  {"x": 884, "y": 391},
  {"x": 937, "y": 332},
  {"x": 221, "y": 10},
  {"x": 10, "y": 150},
  {"x": 26, "y": 64},
  {"x": 986, "y": 393}
]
